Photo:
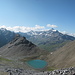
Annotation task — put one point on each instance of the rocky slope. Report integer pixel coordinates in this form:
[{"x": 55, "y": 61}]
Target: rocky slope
[
  {"x": 64, "y": 57},
  {"x": 19, "y": 71}
]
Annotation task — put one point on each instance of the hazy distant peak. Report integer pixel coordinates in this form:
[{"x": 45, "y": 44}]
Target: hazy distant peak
[{"x": 3, "y": 29}]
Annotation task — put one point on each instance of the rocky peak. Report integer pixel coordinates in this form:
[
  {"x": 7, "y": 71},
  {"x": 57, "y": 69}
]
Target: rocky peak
[{"x": 21, "y": 41}]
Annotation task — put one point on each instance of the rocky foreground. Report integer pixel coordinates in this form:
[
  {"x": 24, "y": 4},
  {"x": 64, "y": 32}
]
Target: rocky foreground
[{"x": 14, "y": 71}]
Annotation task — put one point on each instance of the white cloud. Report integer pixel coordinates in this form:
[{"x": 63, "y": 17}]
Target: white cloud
[
  {"x": 65, "y": 32},
  {"x": 23, "y": 28},
  {"x": 53, "y": 26},
  {"x": 3, "y": 26},
  {"x": 72, "y": 34},
  {"x": 35, "y": 28}
]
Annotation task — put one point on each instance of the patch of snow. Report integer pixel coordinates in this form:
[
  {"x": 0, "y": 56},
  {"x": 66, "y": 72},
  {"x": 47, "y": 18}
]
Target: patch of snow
[
  {"x": 51, "y": 52},
  {"x": 3, "y": 29},
  {"x": 40, "y": 34},
  {"x": 54, "y": 30}
]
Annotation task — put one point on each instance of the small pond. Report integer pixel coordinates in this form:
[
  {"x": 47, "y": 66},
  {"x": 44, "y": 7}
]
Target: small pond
[{"x": 37, "y": 64}]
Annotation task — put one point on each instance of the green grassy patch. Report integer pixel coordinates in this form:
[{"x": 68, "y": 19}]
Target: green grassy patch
[
  {"x": 29, "y": 58},
  {"x": 50, "y": 69},
  {"x": 4, "y": 59},
  {"x": 52, "y": 47}
]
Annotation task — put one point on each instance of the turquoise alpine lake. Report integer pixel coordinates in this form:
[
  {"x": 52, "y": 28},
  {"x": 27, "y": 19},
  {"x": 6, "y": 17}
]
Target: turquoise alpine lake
[{"x": 37, "y": 64}]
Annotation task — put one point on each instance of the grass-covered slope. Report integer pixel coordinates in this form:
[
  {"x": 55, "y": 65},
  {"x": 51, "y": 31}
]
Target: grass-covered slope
[{"x": 52, "y": 47}]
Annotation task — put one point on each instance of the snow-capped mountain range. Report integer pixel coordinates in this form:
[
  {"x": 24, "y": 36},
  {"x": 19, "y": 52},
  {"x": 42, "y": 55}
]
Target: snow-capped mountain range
[
  {"x": 46, "y": 33},
  {"x": 48, "y": 39}
]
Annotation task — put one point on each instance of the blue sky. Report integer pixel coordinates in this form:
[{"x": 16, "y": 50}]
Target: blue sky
[{"x": 38, "y": 14}]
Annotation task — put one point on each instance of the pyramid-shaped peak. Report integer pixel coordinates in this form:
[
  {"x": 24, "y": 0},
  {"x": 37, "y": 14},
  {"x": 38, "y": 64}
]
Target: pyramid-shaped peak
[
  {"x": 52, "y": 29},
  {"x": 21, "y": 41},
  {"x": 19, "y": 47}
]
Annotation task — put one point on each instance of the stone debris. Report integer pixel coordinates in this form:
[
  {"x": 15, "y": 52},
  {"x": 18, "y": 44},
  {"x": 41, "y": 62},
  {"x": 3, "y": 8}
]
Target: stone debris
[{"x": 13, "y": 71}]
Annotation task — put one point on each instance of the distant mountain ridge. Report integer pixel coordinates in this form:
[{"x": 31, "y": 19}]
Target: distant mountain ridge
[
  {"x": 49, "y": 40},
  {"x": 5, "y": 36}
]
